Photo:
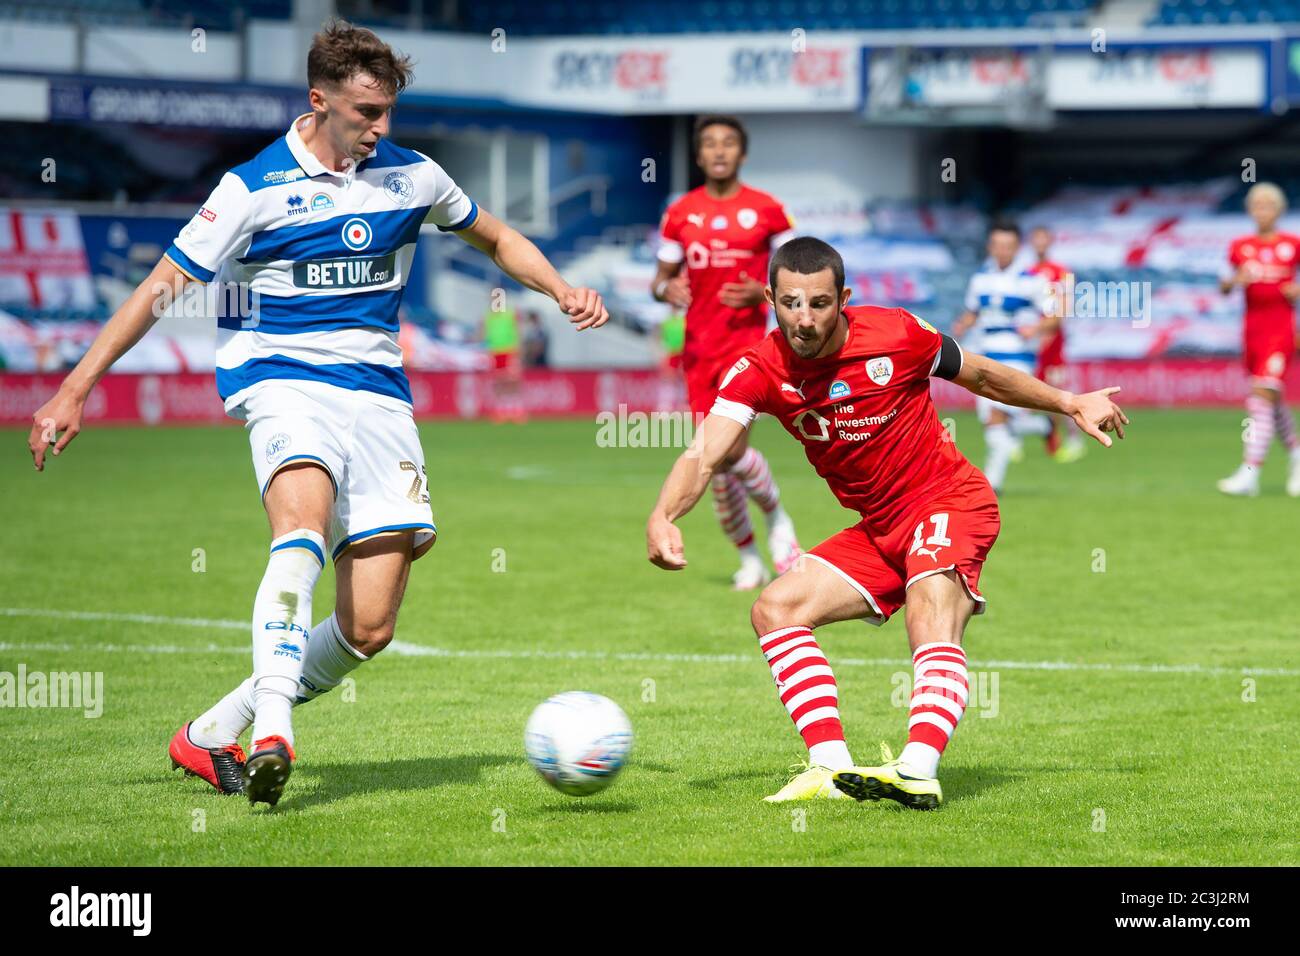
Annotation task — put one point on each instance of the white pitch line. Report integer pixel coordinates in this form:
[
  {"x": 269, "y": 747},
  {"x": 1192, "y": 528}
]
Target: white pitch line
[{"x": 408, "y": 649}]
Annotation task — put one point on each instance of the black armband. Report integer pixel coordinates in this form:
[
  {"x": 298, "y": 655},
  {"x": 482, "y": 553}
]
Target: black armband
[{"x": 948, "y": 362}]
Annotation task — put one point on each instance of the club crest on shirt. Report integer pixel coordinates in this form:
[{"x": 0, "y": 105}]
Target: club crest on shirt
[
  {"x": 747, "y": 218},
  {"x": 399, "y": 188},
  {"x": 839, "y": 389},
  {"x": 357, "y": 234},
  {"x": 1285, "y": 251},
  {"x": 880, "y": 370},
  {"x": 276, "y": 446}
]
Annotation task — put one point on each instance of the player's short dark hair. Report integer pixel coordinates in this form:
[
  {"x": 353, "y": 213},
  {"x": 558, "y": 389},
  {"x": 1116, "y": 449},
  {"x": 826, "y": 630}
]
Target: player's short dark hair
[
  {"x": 806, "y": 255},
  {"x": 718, "y": 119},
  {"x": 1005, "y": 225},
  {"x": 340, "y": 51}
]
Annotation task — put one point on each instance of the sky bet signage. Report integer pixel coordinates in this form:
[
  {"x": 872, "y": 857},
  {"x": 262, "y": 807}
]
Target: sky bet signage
[{"x": 692, "y": 74}]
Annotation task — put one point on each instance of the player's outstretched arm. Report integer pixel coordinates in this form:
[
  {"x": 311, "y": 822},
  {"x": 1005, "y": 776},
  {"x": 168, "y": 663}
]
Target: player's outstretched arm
[
  {"x": 60, "y": 417},
  {"x": 1094, "y": 412},
  {"x": 684, "y": 487},
  {"x": 518, "y": 258}
]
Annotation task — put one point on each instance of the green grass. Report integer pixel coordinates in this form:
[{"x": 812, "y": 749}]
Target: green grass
[{"x": 418, "y": 768}]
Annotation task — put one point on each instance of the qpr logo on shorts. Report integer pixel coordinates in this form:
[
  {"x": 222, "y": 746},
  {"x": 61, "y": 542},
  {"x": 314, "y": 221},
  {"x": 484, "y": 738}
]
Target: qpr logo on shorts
[
  {"x": 277, "y": 445},
  {"x": 357, "y": 234},
  {"x": 880, "y": 370},
  {"x": 399, "y": 188}
]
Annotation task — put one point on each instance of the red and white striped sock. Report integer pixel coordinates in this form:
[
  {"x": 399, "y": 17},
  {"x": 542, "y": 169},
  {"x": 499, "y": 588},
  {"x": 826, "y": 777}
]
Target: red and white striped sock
[
  {"x": 753, "y": 471},
  {"x": 1285, "y": 424},
  {"x": 1258, "y": 434},
  {"x": 939, "y": 691},
  {"x": 732, "y": 508},
  {"x": 808, "y": 690}
]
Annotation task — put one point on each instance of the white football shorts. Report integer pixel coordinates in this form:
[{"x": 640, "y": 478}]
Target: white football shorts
[{"x": 369, "y": 445}]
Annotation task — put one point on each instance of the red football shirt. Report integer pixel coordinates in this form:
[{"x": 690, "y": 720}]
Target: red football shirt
[
  {"x": 864, "y": 414},
  {"x": 719, "y": 239},
  {"x": 1052, "y": 351},
  {"x": 1271, "y": 263}
]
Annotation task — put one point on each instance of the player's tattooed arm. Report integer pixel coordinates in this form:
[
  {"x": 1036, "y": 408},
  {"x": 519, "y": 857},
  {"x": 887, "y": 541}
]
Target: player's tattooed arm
[
  {"x": 58, "y": 421},
  {"x": 520, "y": 259},
  {"x": 685, "y": 486},
  {"x": 1094, "y": 412}
]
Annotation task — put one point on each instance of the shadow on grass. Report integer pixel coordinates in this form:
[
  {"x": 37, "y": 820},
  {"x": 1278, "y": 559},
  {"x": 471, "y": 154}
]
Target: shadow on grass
[
  {"x": 336, "y": 781},
  {"x": 582, "y": 805},
  {"x": 711, "y": 783}
]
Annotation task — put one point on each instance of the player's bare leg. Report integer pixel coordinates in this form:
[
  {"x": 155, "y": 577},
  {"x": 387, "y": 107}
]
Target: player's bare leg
[
  {"x": 1262, "y": 418},
  {"x": 745, "y": 474},
  {"x": 807, "y": 596},
  {"x": 370, "y": 581},
  {"x": 298, "y": 501},
  {"x": 938, "y": 608}
]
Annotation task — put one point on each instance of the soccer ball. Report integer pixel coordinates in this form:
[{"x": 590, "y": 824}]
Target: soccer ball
[{"x": 578, "y": 742}]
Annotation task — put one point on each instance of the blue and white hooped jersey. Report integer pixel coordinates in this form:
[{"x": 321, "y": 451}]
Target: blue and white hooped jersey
[
  {"x": 327, "y": 255},
  {"x": 1005, "y": 300}
]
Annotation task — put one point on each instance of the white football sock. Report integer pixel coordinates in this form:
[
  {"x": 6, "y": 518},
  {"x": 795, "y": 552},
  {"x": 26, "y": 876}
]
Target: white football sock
[
  {"x": 998, "y": 442},
  {"x": 831, "y": 754},
  {"x": 222, "y": 724},
  {"x": 281, "y": 626},
  {"x": 328, "y": 660}
]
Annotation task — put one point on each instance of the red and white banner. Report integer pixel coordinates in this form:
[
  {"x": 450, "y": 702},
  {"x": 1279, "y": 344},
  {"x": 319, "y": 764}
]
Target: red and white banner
[
  {"x": 43, "y": 260},
  {"x": 191, "y": 398}
]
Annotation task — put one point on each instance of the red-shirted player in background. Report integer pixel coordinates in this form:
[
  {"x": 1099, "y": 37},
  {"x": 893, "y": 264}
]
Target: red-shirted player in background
[
  {"x": 853, "y": 385},
  {"x": 1264, "y": 265},
  {"x": 1051, "y": 356},
  {"x": 724, "y": 232}
]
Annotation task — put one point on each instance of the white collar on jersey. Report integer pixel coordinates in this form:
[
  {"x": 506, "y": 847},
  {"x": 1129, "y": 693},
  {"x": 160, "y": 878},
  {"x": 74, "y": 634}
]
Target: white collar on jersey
[{"x": 307, "y": 159}]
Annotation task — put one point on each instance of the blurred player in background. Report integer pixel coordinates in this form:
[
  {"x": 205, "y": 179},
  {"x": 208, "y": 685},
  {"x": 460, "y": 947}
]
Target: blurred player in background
[
  {"x": 316, "y": 375},
  {"x": 1007, "y": 306},
  {"x": 723, "y": 233},
  {"x": 501, "y": 338},
  {"x": 1051, "y": 355},
  {"x": 868, "y": 425},
  {"x": 1264, "y": 266}
]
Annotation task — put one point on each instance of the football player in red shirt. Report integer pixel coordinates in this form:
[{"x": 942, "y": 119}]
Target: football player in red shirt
[
  {"x": 712, "y": 261},
  {"x": 853, "y": 385},
  {"x": 1264, "y": 265},
  {"x": 1051, "y": 355}
]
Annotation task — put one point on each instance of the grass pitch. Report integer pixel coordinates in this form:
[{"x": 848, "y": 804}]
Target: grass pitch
[{"x": 1116, "y": 727}]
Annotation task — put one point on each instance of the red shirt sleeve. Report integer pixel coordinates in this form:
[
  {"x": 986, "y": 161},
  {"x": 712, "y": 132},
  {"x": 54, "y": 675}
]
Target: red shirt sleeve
[
  {"x": 744, "y": 390},
  {"x": 921, "y": 350},
  {"x": 778, "y": 220}
]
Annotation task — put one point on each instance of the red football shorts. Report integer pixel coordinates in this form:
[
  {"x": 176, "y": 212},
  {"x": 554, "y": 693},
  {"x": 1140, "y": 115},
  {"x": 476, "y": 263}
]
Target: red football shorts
[
  {"x": 1270, "y": 343},
  {"x": 505, "y": 361},
  {"x": 1051, "y": 362},
  {"x": 952, "y": 530}
]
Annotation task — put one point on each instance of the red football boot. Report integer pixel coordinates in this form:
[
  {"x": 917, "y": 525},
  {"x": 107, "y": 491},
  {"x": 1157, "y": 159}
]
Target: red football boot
[
  {"x": 268, "y": 769},
  {"x": 221, "y": 766}
]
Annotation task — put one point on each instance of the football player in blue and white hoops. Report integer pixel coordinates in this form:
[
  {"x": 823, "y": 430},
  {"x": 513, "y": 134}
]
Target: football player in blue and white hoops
[{"x": 318, "y": 231}]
